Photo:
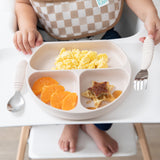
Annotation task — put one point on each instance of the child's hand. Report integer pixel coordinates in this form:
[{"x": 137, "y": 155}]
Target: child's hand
[
  {"x": 27, "y": 39},
  {"x": 152, "y": 25}
]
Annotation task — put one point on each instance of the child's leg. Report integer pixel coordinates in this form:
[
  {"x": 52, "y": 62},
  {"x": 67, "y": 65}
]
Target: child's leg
[
  {"x": 68, "y": 139},
  {"x": 103, "y": 141}
]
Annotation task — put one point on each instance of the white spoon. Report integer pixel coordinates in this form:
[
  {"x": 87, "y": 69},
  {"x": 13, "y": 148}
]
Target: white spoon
[{"x": 16, "y": 102}]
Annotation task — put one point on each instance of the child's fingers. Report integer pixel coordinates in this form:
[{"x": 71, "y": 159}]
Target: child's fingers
[
  {"x": 31, "y": 39},
  {"x": 15, "y": 42},
  {"x": 39, "y": 39},
  {"x": 151, "y": 29},
  {"x": 157, "y": 37},
  {"x": 142, "y": 39},
  {"x": 20, "y": 42},
  {"x": 26, "y": 43}
]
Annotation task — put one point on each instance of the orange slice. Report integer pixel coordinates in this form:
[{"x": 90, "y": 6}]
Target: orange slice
[
  {"x": 70, "y": 101},
  {"x": 47, "y": 91},
  {"x": 57, "y": 97},
  {"x": 38, "y": 84},
  {"x": 116, "y": 93}
]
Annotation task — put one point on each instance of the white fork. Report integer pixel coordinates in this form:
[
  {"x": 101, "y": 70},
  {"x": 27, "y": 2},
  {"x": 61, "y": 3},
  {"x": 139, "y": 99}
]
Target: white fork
[{"x": 141, "y": 78}]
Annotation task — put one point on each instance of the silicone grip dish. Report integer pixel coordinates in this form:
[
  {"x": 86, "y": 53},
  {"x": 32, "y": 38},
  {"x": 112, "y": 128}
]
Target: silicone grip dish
[{"x": 118, "y": 74}]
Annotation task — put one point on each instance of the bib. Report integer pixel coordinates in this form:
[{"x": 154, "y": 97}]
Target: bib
[{"x": 74, "y": 19}]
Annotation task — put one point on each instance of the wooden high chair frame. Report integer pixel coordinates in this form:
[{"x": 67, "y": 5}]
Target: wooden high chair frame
[{"x": 138, "y": 127}]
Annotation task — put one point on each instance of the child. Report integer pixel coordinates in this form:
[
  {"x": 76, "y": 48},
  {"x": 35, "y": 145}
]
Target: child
[{"x": 28, "y": 37}]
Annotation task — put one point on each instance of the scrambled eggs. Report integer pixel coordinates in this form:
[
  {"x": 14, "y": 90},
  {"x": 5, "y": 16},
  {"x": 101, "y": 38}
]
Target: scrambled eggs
[{"x": 76, "y": 59}]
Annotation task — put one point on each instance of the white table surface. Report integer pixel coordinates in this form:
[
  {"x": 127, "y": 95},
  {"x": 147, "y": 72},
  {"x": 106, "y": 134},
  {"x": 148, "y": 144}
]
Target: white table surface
[{"x": 141, "y": 107}]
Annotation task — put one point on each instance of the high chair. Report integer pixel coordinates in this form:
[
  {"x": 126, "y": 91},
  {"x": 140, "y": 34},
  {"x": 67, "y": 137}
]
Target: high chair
[{"x": 43, "y": 140}]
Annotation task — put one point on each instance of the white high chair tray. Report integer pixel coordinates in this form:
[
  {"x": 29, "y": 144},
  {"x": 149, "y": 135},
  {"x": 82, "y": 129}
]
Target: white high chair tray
[
  {"x": 118, "y": 74},
  {"x": 142, "y": 107}
]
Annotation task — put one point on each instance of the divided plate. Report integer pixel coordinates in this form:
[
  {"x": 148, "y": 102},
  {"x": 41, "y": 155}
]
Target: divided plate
[{"x": 118, "y": 74}]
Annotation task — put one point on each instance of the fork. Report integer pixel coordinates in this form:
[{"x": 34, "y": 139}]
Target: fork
[{"x": 141, "y": 78}]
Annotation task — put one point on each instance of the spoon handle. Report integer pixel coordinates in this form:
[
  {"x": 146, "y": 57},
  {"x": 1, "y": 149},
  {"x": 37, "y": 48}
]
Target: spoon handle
[{"x": 20, "y": 75}]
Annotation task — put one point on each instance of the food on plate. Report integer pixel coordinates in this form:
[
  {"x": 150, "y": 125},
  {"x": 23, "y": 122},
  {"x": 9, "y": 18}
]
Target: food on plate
[
  {"x": 47, "y": 91},
  {"x": 69, "y": 101},
  {"x": 38, "y": 84},
  {"x": 116, "y": 93},
  {"x": 76, "y": 59},
  {"x": 57, "y": 97},
  {"x": 50, "y": 92},
  {"x": 101, "y": 92}
]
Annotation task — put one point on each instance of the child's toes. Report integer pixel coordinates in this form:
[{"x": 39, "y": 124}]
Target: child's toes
[
  {"x": 72, "y": 146},
  {"x": 66, "y": 146},
  {"x": 106, "y": 151},
  {"x": 60, "y": 144},
  {"x": 113, "y": 147}
]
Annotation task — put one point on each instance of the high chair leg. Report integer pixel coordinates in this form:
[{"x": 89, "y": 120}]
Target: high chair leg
[
  {"x": 22, "y": 142},
  {"x": 143, "y": 141}
]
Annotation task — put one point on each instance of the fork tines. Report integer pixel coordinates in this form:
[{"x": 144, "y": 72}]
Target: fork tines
[{"x": 140, "y": 81}]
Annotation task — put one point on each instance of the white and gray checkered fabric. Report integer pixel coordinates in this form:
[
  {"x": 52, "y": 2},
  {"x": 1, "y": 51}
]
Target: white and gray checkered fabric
[{"x": 71, "y": 19}]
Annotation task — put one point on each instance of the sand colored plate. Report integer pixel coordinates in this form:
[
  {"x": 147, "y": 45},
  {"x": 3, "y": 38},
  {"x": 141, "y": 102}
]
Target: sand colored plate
[{"x": 118, "y": 74}]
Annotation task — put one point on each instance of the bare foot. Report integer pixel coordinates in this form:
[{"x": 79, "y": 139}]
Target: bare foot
[
  {"x": 68, "y": 139},
  {"x": 103, "y": 141}
]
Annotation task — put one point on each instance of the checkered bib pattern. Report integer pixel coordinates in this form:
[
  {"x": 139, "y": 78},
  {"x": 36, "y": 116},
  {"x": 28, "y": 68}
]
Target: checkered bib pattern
[{"x": 73, "y": 19}]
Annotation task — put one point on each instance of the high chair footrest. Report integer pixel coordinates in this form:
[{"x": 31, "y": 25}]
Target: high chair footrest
[{"x": 43, "y": 142}]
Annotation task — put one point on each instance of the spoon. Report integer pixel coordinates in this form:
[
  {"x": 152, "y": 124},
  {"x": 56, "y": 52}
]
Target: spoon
[{"x": 16, "y": 102}]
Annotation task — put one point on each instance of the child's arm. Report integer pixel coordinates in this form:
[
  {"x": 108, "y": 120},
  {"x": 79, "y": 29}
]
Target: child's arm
[
  {"x": 147, "y": 12},
  {"x": 27, "y": 37}
]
